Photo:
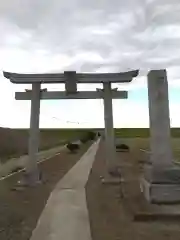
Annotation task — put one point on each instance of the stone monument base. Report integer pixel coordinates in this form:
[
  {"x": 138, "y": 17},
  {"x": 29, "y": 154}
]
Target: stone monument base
[
  {"x": 162, "y": 186},
  {"x": 160, "y": 193}
]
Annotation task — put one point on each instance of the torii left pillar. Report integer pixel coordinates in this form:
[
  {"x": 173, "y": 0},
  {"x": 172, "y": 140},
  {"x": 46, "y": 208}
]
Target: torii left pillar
[{"x": 32, "y": 168}]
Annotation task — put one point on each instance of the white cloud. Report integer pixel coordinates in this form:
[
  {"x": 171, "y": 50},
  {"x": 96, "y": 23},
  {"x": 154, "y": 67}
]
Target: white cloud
[{"x": 88, "y": 36}]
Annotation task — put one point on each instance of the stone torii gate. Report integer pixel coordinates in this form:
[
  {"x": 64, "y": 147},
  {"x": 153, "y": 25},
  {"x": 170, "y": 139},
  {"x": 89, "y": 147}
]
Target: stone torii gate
[{"x": 71, "y": 79}]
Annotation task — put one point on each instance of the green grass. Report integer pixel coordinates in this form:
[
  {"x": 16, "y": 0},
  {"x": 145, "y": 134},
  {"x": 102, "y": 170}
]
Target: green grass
[
  {"x": 9, "y": 155},
  {"x": 120, "y": 132},
  {"x": 59, "y": 133},
  {"x": 132, "y": 132},
  {"x": 52, "y": 137},
  {"x": 14, "y": 142},
  {"x": 143, "y": 143},
  {"x": 142, "y": 132}
]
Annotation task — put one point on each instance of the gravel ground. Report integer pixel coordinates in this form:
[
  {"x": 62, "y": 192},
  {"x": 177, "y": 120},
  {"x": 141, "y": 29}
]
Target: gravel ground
[
  {"x": 19, "y": 211},
  {"x": 110, "y": 216}
]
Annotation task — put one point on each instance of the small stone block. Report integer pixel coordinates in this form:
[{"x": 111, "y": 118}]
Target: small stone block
[
  {"x": 70, "y": 82},
  {"x": 165, "y": 176},
  {"x": 160, "y": 193}
]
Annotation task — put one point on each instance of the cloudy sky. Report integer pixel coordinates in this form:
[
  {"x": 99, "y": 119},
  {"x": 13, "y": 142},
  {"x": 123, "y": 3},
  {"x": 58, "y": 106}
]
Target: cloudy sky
[{"x": 88, "y": 36}]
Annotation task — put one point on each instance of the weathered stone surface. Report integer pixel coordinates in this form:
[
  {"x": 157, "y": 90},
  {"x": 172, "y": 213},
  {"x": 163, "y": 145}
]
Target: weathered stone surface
[
  {"x": 161, "y": 182},
  {"x": 160, "y": 193},
  {"x": 164, "y": 176},
  {"x": 159, "y": 120}
]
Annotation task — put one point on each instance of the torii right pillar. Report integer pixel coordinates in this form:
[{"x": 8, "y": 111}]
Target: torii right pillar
[{"x": 161, "y": 180}]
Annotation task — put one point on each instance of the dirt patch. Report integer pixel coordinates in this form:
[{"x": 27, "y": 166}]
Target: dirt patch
[
  {"x": 19, "y": 211},
  {"x": 111, "y": 217}
]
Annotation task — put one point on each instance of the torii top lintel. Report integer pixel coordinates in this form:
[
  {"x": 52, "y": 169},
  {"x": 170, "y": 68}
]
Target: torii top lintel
[{"x": 80, "y": 77}]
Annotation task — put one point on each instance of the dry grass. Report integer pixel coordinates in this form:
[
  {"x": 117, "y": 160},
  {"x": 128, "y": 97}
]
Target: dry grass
[
  {"x": 111, "y": 217},
  {"x": 19, "y": 211},
  {"x": 14, "y": 142},
  {"x": 143, "y": 143}
]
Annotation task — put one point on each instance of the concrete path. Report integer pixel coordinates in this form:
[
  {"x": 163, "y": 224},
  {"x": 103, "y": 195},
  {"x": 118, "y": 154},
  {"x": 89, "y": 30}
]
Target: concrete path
[{"x": 65, "y": 216}]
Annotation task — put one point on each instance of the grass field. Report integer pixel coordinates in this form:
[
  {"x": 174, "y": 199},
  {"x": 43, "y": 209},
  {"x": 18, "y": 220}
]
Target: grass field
[
  {"x": 14, "y": 142},
  {"x": 143, "y": 143},
  {"x": 142, "y": 132},
  {"x": 112, "y": 216},
  {"x": 120, "y": 132}
]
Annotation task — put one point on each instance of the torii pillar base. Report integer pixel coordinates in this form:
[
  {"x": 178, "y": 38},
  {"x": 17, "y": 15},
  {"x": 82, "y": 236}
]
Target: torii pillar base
[{"x": 28, "y": 180}]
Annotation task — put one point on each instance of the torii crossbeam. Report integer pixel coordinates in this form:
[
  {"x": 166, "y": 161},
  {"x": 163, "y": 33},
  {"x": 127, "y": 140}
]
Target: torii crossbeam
[{"x": 71, "y": 79}]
